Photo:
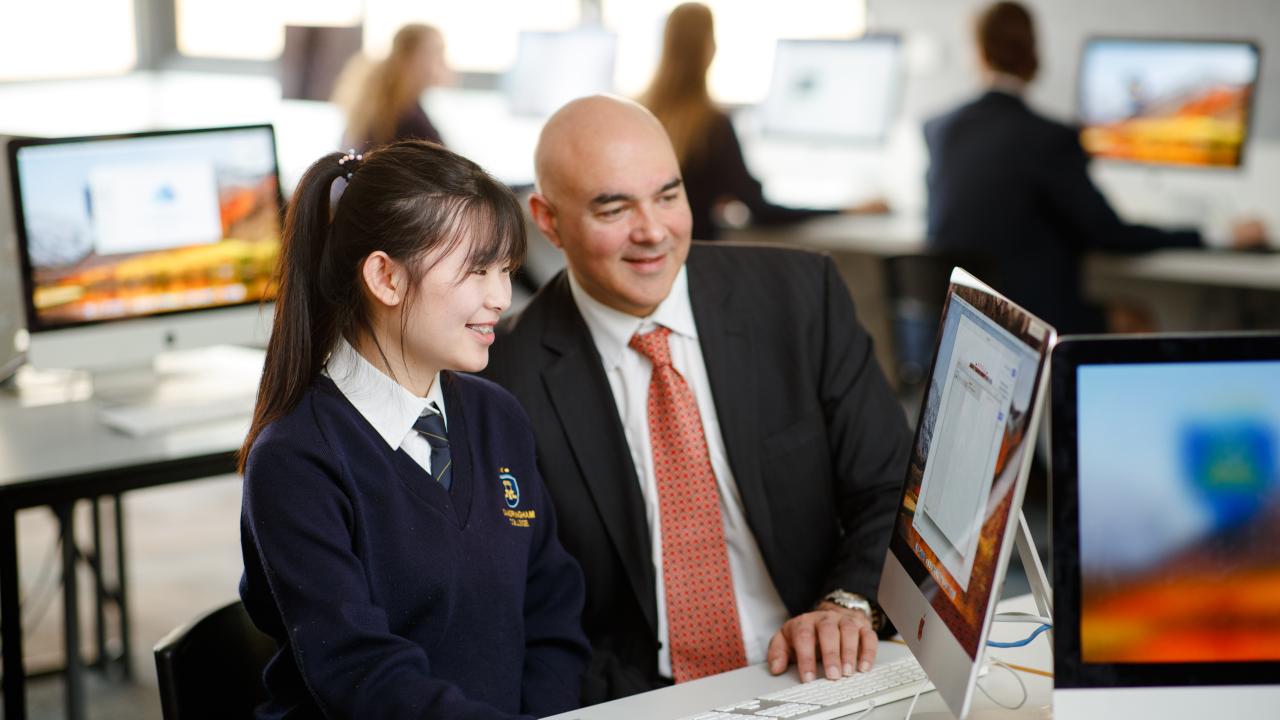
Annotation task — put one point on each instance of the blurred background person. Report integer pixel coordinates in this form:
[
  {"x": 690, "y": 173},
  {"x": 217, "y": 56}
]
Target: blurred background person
[
  {"x": 383, "y": 100},
  {"x": 1010, "y": 190},
  {"x": 706, "y": 145}
]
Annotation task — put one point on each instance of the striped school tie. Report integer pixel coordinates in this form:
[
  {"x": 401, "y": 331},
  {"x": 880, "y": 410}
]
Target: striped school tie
[{"x": 431, "y": 425}]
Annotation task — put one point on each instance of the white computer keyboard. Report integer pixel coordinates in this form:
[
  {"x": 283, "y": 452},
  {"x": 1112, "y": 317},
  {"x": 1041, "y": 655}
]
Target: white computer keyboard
[
  {"x": 145, "y": 419},
  {"x": 825, "y": 699}
]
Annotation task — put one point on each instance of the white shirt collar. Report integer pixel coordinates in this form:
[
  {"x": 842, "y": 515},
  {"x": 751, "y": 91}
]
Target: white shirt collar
[
  {"x": 385, "y": 404},
  {"x": 1008, "y": 84},
  {"x": 612, "y": 329}
]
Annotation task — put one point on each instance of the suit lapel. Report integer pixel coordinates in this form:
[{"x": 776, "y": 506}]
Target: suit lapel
[
  {"x": 724, "y": 333},
  {"x": 583, "y": 401}
]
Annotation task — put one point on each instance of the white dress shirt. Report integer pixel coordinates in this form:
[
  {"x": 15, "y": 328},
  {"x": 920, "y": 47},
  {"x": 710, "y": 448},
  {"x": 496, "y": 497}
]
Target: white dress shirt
[
  {"x": 386, "y": 404},
  {"x": 760, "y": 608}
]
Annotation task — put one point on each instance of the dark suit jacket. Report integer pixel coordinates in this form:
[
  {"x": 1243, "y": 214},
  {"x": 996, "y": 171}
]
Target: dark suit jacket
[
  {"x": 1011, "y": 188},
  {"x": 817, "y": 442}
]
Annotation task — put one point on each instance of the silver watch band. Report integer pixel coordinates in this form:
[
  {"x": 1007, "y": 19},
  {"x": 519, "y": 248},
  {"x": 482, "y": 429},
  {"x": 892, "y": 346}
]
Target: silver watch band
[{"x": 854, "y": 601}]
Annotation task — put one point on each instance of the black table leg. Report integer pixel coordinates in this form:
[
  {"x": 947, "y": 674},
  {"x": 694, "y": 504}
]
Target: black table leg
[
  {"x": 15, "y": 680},
  {"x": 70, "y": 614},
  {"x": 122, "y": 596},
  {"x": 99, "y": 588}
]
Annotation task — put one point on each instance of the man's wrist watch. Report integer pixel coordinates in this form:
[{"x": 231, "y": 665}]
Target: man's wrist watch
[{"x": 854, "y": 601}]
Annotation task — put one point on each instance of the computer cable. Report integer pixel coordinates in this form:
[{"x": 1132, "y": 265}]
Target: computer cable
[
  {"x": 1023, "y": 642},
  {"x": 1021, "y": 685},
  {"x": 911, "y": 708}
]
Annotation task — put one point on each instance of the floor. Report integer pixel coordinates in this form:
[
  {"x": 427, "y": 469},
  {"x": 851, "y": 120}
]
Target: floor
[
  {"x": 184, "y": 558},
  {"x": 183, "y": 553}
]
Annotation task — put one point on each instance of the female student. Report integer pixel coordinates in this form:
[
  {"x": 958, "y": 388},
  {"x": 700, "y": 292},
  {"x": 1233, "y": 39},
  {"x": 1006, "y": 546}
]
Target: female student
[
  {"x": 384, "y": 101},
  {"x": 705, "y": 142},
  {"x": 398, "y": 542}
]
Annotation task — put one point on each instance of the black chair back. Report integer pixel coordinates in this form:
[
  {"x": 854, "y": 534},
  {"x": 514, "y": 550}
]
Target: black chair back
[{"x": 212, "y": 667}]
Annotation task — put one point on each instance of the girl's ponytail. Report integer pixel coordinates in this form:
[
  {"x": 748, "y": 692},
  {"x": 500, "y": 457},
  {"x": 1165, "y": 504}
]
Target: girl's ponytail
[{"x": 306, "y": 319}]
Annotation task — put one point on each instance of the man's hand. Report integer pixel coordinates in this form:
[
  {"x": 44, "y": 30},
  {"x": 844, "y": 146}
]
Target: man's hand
[
  {"x": 1248, "y": 234},
  {"x": 841, "y": 637}
]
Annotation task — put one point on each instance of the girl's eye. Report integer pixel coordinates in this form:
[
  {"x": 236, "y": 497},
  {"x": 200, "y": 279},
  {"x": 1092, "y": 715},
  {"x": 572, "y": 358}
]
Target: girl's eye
[{"x": 479, "y": 271}]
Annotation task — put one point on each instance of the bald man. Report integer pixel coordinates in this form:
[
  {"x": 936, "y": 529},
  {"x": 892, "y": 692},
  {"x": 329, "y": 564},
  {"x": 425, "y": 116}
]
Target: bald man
[{"x": 723, "y": 451}]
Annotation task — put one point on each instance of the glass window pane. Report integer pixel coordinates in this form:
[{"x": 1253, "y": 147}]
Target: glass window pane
[
  {"x": 88, "y": 37},
  {"x": 746, "y": 34},
  {"x": 480, "y": 35},
  {"x": 252, "y": 29}
]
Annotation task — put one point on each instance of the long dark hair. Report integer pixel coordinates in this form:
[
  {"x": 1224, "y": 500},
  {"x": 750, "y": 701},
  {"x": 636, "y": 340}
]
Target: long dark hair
[{"x": 413, "y": 200}]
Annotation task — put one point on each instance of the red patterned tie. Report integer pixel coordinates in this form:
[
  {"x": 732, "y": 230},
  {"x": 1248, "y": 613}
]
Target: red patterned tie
[{"x": 704, "y": 631}]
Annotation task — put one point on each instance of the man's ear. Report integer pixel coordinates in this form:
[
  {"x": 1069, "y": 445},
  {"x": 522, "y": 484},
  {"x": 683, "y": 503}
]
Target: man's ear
[
  {"x": 385, "y": 278},
  {"x": 544, "y": 216}
]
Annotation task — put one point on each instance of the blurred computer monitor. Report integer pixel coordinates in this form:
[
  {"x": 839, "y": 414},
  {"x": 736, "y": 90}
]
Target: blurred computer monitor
[
  {"x": 553, "y": 68},
  {"x": 1166, "y": 532},
  {"x": 962, "y": 497},
  {"x": 314, "y": 57},
  {"x": 1177, "y": 102},
  {"x": 12, "y": 324},
  {"x": 134, "y": 244},
  {"x": 834, "y": 90}
]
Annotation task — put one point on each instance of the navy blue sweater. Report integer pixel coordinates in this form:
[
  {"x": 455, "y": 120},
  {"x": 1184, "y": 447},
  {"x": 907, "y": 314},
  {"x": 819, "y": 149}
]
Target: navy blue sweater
[{"x": 391, "y": 597}]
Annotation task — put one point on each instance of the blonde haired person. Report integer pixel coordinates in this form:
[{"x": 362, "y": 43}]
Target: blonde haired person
[
  {"x": 382, "y": 100},
  {"x": 706, "y": 145}
]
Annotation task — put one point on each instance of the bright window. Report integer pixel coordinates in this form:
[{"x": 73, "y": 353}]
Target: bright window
[
  {"x": 480, "y": 35},
  {"x": 66, "y": 38},
  {"x": 746, "y": 34},
  {"x": 252, "y": 29}
]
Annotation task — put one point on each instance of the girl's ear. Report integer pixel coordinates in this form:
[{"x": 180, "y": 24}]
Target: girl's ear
[{"x": 385, "y": 278}]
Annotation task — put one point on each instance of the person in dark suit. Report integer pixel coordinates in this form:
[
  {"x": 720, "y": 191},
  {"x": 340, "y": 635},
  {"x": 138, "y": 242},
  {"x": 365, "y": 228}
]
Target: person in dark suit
[
  {"x": 701, "y": 411},
  {"x": 1010, "y": 188},
  {"x": 711, "y": 161}
]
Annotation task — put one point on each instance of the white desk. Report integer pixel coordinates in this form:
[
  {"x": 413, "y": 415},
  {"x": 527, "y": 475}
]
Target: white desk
[
  {"x": 55, "y": 453},
  {"x": 1035, "y": 662},
  {"x": 1186, "y": 289}
]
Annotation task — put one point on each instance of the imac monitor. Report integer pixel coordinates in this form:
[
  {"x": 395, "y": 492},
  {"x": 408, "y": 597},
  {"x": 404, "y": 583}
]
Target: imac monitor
[
  {"x": 962, "y": 498},
  {"x": 833, "y": 90},
  {"x": 1178, "y": 102},
  {"x": 1166, "y": 528},
  {"x": 130, "y": 245},
  {"x": 553, "y": 68}
]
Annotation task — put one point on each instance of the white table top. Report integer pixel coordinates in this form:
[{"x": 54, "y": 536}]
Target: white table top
[
  {"x": 1034, "y": 665},
  {"x": 49, "y": 427},
  {"x": 904, "y": 233}
]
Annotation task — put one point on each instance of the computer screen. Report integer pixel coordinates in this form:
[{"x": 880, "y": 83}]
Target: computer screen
[
  {"x": 118, "y": 228},
  {"x": 834, "y": 90},
  {"x": 1167, "y": 541},
  {"x": 553, "y": 68},
  {"x": 1180, "y": 102},
  {"x": 964, "y": 484}
]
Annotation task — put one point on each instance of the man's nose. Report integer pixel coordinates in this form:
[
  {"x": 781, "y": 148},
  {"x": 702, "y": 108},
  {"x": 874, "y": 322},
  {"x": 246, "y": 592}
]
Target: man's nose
[{"x": 648, "y": 227}]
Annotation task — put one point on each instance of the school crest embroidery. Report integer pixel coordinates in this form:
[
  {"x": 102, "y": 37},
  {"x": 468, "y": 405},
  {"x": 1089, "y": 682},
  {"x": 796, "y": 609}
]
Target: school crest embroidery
[{"x": 511, "y": 496}]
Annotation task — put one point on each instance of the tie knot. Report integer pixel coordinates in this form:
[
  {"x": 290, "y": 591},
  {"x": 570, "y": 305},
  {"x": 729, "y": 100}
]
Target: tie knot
[
  {"x": 653, "y": 345},
  {"x": 432, "y": 428}
]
